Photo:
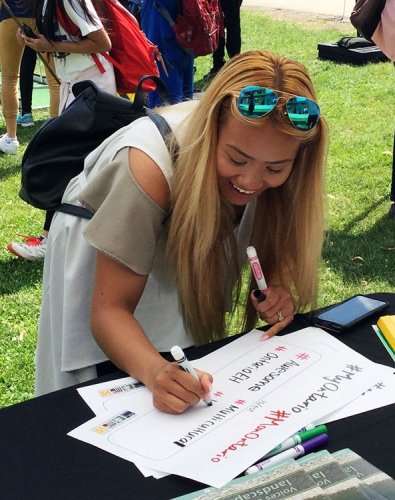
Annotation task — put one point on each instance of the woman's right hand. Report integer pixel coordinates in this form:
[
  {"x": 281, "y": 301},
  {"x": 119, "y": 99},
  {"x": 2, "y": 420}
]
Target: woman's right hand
[
  {"x": 39, "y": 44},
  {"x": 116, "y": 293},
  {"x": 174, "y": 390}
]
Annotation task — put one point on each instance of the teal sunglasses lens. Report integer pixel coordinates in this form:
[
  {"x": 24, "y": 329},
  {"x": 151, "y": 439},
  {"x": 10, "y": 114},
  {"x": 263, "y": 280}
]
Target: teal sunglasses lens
[
  {"x": 256, "y": 102},
  {"x": 303, "y": 113}
]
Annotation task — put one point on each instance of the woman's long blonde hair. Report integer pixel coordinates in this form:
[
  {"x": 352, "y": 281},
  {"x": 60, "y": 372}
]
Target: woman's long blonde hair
[{"x": 288, "y": 224}]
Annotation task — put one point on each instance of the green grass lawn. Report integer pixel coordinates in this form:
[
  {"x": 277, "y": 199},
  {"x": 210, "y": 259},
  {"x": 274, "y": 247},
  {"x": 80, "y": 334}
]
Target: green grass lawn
[{"x": 358, "y": 257}]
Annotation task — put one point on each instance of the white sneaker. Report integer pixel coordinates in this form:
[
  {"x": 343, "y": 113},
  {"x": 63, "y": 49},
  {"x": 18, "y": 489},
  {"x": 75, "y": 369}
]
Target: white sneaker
[
  {"x": 11, "y": 148},
  {"x": 34, "y": 249}
]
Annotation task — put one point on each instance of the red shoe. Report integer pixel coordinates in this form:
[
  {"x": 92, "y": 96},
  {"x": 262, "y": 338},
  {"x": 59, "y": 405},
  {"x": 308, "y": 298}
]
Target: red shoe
[{"x": 34, "y": 249}]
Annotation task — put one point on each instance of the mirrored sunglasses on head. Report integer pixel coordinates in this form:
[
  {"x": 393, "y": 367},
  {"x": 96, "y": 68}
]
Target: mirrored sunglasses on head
[{"x": 256, "y": 102}]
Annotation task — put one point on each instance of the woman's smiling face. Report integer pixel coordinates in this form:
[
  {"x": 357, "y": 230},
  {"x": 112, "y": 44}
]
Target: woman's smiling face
[{"x": 251, "y": 159}]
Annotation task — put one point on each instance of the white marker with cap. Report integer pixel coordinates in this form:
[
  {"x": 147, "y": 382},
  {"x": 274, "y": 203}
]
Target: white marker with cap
[
  {"x": 183, "y": 361},
  {"x": 258, "y": 273}
]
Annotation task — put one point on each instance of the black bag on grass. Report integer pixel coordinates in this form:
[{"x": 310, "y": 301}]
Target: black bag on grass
[
  {"x": 354, "y": 42},
  {"x": 58, "y": 149}
]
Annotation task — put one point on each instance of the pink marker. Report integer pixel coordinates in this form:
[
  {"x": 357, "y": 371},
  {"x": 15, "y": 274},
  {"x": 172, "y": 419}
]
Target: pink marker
[{"x": 257, "y": 270}]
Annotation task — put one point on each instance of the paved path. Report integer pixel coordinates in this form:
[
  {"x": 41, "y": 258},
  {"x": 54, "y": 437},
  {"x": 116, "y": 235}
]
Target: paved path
[{"x": 338, "y": 8}]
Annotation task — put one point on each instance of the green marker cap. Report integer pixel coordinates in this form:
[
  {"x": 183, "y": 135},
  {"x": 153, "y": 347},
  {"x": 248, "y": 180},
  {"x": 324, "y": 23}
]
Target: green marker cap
[{"x": 306, "y": 435}]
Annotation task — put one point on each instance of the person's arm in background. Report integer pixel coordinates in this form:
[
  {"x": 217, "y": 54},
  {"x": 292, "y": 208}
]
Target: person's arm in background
[
  {"x": 94, "y": 38},
  {"x": 94, "y": 43}
]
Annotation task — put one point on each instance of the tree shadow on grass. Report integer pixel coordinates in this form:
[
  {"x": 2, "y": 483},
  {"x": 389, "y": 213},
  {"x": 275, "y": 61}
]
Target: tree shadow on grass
[
  {"x": 18, "y": 274},
  {"x": 366, "y": 256}
]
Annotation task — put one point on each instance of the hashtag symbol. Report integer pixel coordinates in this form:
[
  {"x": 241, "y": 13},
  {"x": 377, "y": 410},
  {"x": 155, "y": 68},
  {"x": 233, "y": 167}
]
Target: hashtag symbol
[
  {"x": 280, "y": 348},
  {"x": 354, "y": 368},
  {"x": 380, "y": 385},
  {"x": 279, "y": 414},
  {"x": 218, "y": 394},
  {"x": 303, "y": 356},
  {"x": 240, "y": 402}
]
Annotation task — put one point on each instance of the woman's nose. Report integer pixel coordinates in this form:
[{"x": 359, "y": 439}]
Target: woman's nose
[{"x": 250, "y": 180}]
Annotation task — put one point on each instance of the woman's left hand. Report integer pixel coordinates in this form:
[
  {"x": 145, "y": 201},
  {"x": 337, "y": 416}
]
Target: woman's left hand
[
  {"x": 20, "y": 37},
  {"x": 277, "y": 309}
]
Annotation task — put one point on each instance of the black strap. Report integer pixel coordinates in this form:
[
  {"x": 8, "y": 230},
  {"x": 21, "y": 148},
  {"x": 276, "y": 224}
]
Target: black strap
[
  {"x": 165, "y": 130},
  {"x": 76, "y": 210},
  {"x": 139, "y": 99}
]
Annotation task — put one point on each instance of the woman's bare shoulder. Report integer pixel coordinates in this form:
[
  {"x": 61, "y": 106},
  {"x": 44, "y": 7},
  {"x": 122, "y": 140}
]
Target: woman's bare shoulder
[{"x": 149, "y": 177}]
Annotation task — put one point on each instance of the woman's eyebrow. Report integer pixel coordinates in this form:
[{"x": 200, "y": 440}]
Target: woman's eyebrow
[
  {"x": 285, "y": 160},
  {"x": 240, "y": 151}
]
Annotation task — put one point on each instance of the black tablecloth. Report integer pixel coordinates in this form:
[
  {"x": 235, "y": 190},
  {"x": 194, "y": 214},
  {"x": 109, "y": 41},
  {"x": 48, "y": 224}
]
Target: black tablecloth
[{"x": 39, "y": 461}]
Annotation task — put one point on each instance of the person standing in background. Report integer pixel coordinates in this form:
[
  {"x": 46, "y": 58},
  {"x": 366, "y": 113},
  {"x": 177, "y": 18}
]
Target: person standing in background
[
  {"x": 10, "y": 56},
  {"x": 391, "y": 212},
  {"x": 72, "y": 53},
  {"x": 232, "y": 42},
  {"x": 384, "y": 37},
  {"x": 179, "y": 64},
  {"x": 28, "y": 65},
  {"x": 26, "y": 75},
  {"x": 72, "y": 30}
]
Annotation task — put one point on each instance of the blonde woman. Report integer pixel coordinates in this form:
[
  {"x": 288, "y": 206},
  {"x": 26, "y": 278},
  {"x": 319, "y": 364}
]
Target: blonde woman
[{"x": 165, "y": 249}]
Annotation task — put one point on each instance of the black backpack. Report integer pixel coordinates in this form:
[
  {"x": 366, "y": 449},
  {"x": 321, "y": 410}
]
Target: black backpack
[{"x": 57, "y": 151}]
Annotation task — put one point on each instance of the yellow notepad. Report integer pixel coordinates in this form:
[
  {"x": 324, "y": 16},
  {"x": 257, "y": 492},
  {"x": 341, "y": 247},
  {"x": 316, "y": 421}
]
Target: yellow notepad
[{"x": 387, "y": 328}]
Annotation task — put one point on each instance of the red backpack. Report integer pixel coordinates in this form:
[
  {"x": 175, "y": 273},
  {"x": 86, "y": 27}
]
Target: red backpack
[
  {"x": 132, "y": 54},
  {"x": 199, "y": 25}
]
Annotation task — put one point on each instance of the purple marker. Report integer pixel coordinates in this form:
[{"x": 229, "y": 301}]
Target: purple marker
[{"x": 295, "y": 452}]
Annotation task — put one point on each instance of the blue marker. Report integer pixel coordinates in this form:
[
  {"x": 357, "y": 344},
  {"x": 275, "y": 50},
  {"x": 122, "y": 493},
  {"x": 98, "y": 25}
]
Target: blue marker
[{"x": 307, "y": 428}]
